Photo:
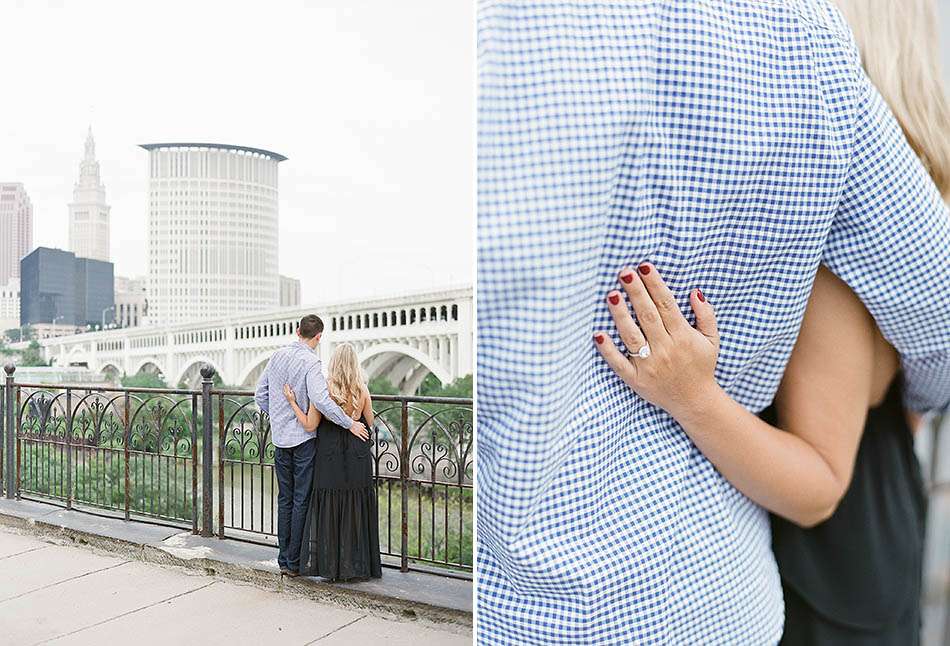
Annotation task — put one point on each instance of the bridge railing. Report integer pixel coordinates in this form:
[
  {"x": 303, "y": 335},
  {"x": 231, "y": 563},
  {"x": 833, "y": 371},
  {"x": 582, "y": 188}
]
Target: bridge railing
[{"x": 204, "y": 460}]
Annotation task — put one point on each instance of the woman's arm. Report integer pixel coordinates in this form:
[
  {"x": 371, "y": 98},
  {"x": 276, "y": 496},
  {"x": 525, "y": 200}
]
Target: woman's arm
[
  {"x": 311, "y": 420},
  {"x": 368, "y": 408},
  {"x": 800, "y": 474}
]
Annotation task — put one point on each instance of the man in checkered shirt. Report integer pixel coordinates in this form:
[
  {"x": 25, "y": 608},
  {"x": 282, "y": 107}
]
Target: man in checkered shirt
[{"x": 736, "y": 144}]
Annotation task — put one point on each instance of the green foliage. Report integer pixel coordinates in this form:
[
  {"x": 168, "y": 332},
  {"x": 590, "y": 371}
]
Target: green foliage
[
  {"x": 430, "y": 387},
  {"x": 25, "y": 333},
  {"x": 98, "y": 479},
  {"x": 430, "y": 536},
  {"x": 32, "y": 356},
  {"x": 381, "y": 386},
  {"x": 143, "y": 380},
  {"x": 162, "y": 487}
]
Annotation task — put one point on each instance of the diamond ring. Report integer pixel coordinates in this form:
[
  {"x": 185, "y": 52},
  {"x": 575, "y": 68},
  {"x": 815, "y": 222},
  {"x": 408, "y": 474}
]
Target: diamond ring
[{"x": 642, "y": 353}]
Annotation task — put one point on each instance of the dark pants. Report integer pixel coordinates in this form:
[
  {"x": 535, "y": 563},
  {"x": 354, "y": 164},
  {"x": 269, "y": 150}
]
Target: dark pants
[{"x": 294, "y": 468}]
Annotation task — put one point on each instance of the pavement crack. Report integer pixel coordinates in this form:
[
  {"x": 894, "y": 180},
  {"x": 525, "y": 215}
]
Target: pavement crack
[
  {"x": 32, "y": 549},
  {"x": 56, "y": 583},
  {"x": 336, "y": 630},
  {"x": 126, "y": 614}
]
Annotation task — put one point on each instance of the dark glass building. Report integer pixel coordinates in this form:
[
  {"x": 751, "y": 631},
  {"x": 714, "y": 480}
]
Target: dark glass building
[{"x": 57, "y": 287}]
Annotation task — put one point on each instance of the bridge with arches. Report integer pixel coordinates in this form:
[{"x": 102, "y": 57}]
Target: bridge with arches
[{"x": 401, "y": 338}]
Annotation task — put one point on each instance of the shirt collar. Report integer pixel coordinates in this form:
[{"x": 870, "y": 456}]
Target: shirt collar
[{"x": 305, "y": 346}]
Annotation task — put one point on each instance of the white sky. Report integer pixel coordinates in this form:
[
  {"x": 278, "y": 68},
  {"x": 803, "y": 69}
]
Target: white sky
[{"x": 371, "y": 100}]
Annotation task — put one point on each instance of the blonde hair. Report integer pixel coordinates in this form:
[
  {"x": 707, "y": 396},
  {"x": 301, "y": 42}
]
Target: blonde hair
[
  {"x": 345, "y": 378},
  {"x": 899, "y": 49}
]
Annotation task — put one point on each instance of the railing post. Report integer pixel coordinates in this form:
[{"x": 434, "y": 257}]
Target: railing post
[
  {"x": 126, "y": 440},
  {"x": 221, "y": 433},
  {"x": 404, "y": 477},
  {"x": 69, "y": 459},
  {"x": 207, "y": 451},
  {"x": 8, "y": 439}
]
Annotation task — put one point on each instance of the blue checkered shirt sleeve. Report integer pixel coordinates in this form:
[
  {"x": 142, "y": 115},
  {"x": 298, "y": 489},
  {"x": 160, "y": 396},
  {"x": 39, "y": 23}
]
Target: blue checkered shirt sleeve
[{"x": 891, "y": 243}]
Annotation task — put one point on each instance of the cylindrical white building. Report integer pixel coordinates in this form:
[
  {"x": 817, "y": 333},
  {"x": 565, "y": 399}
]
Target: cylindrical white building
[{"x": 212, "y": 231}]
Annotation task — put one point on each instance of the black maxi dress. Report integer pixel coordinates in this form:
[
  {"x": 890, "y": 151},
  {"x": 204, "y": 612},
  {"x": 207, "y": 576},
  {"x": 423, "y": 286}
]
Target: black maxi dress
[
  {"x": 341, "y": 537},
  {"x": 855, "y": 579}
]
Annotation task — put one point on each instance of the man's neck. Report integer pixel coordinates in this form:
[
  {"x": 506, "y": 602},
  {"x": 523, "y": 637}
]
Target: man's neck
[{"x": 312, "y": 348}]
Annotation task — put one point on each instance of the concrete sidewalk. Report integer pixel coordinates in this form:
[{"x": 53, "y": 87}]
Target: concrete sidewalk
[{"x": 78, "y": 578}]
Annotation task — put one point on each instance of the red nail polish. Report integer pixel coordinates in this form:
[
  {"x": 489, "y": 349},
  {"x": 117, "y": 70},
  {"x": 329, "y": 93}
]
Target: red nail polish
[
  {"x": 614, "y": 299},
  {"x": 599, "y": 338},
  {"x": 627, "y": 278},
  {"x": 699, "y": 295},
  {"x": 644, "y": 269}
]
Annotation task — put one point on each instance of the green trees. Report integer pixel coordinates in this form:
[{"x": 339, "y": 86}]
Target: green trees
[
  {"x": 32, "y": 356},
  {"x": 143, "y": 380},
  {"x": 381, "y": 386},
  {"x": 430, "y": 387},
  {"x": 17, "y": 334}
]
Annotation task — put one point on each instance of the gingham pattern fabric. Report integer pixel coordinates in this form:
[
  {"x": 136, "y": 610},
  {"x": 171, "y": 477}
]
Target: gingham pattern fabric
[
  {"x": 737, "y": 145},
  {"x": 301, "y": 368}
]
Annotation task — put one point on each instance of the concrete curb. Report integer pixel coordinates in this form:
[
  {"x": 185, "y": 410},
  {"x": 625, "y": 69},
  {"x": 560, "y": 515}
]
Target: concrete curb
[{"x": 167, "y": 546}]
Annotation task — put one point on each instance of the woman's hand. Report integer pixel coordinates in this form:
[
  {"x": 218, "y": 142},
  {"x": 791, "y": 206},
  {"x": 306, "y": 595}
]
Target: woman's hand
[
  {"x": 678, "y": 373},
  {"x": 289, "y": 394}
]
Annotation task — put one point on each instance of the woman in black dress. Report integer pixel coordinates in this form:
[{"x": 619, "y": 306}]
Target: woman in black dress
[{"x": 341, "y": 537}]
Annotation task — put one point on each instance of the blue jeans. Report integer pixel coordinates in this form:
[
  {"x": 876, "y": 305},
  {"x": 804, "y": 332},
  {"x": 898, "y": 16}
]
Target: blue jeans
[{"x": 294, "y": 469}]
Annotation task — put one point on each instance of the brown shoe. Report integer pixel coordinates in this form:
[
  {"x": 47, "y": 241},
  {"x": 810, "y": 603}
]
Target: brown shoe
[{"x": 285, "y": 572}]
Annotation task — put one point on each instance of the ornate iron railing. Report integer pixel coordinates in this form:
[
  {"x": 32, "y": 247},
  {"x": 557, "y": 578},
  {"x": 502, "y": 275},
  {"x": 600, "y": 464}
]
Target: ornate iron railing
[{"x": 159, "y": 454}]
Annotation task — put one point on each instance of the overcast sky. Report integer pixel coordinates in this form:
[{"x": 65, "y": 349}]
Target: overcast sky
[{"x": 372, "y": 101}]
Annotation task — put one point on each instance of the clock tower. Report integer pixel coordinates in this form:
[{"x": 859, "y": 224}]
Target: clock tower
[{"x": 88, "y": 212}]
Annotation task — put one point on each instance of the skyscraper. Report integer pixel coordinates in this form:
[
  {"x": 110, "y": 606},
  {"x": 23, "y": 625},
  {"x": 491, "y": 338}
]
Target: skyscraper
[
  {"x": 289, "y": 292},
  {"x": 88, "y": 212},
  {"x": 16, "y": 229},
  {"x": 212, "y": 231},
  {"x": 9, "y": 306},
  {"x": 131, "y": 302},
  {"x": 56, "y": 286}
]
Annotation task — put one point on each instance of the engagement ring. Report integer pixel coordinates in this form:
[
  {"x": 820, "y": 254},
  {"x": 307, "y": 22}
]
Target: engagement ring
[{"x": 642, "y": 353}]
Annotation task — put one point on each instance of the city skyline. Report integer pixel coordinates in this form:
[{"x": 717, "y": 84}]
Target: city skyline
[{"x": 379, "y": 138}]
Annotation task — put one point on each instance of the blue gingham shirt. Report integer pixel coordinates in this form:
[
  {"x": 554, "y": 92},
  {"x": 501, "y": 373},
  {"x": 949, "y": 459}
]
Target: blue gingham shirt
[
  {"x": 299, "y": 366},
  {"x": 737, "y": 144}
]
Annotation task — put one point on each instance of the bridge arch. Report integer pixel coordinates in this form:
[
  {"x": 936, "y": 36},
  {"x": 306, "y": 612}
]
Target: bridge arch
[
  {"x": 190, "y": 371},
  {"x": 111, "y": 371},
  {"x": 148, "y": 365},
  {"x": 75, "y": 355},
  {"x": 404, "y": 365},
  {"x": 252, "y": 371}
]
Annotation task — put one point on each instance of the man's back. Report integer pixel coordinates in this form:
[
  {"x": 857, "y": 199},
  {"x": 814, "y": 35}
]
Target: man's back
[
  {"x": 289, "y": 365},
  {"x": 726, "y": 142}
]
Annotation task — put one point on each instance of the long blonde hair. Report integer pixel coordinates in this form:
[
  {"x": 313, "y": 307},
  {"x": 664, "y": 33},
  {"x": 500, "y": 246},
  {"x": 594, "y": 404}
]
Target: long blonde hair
[
  {"x": 899, "y": 49},
  {"x": 345, "y": 378}
]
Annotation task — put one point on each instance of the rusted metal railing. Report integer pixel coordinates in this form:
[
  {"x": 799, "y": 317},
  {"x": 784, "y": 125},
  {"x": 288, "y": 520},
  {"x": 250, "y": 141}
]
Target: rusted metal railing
[
  {"x": 422, "y": 459},
  {"x": 158, "y": 454}
]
